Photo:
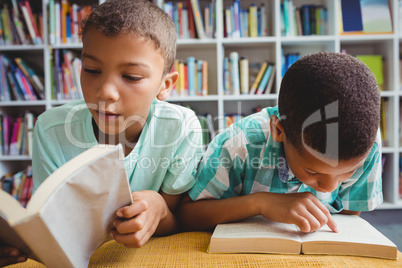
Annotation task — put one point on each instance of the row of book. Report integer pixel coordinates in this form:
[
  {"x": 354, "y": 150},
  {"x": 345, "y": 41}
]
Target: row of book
[
  {"x": 364, "y": 17},
  {"x": 19, "y": 24},
  {"x": 65, "y": 76},
  {"x": 64, "y": 21},
  {"x": 239, "y": 72},
  {"x": 193, "y": 78},
  {"x": 190, "y": 19},
  {"x": 19, "y": 185},
  {"x": 304, "y": 20},
  {"x": 248, "y": 22},
  {"x": 18, "y": 81},
  {"x": 16, "y": 134}
]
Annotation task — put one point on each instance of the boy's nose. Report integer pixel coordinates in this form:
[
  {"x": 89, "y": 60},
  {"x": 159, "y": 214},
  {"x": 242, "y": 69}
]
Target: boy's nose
[
  {"x": 108, "y": 91},
  {"x": 328, "y": 184}
]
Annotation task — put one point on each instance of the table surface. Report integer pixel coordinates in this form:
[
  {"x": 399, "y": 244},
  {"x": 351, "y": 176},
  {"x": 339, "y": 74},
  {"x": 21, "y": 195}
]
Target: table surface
[{"x": 190, "y": 250}]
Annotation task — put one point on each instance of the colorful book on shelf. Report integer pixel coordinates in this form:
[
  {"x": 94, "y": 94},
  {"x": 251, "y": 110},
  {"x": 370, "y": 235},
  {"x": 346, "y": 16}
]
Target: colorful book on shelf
[
  {"x": 34, "y": 79},
  {"x": 191, "y": 69},
  {"x": 356, "y": 237},
  {"x": 199, "y": 77},
  {"x": 99, "y": 171},
  {"x": 234, "y": 72},
  {"x": 198, "y": 21},
  {"x": 375, "y": 64},
  {"x": 204, "y": 87},
  {"x": 244, "y": 75},
  {"x": 257, "y": 80},
  {"x": 351, "y": 16},
  {"x": 265, "y": 78}
]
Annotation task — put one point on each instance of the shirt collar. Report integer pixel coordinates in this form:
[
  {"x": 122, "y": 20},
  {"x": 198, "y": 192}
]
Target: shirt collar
[{"x": 284, "y": 172}]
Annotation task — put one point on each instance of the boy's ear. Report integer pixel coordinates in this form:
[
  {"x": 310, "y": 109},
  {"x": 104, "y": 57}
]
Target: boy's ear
[
  {"x": 276, "y": 127},
  {"x": 167, "y": 85}
]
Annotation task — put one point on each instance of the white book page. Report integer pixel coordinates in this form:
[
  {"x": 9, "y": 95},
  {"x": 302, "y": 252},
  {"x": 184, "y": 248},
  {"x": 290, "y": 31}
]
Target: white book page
[
  {"x": 352, "y": 229},
  {"x": 257, "y": 227}
]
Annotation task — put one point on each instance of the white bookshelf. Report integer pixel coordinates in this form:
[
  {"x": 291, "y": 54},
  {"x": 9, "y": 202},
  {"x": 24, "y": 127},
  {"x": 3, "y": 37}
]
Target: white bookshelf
[{"x": 255, "y": 49}]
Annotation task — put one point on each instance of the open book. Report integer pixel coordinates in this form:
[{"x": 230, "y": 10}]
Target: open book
[
  {"x": 71, "y": 213},
  {"x": 259, "y": 235}
]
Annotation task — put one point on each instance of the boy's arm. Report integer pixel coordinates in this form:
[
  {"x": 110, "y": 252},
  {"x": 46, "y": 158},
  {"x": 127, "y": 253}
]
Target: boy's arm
[{"x": 302, "y": 209}]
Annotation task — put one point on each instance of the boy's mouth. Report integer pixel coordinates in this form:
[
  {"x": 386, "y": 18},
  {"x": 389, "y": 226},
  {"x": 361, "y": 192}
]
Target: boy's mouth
[{"x": 108, "y": 117}]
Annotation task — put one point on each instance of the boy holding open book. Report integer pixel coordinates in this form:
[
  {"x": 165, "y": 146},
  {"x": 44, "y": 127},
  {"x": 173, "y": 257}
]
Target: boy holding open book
[
  {"x": 128, "y": 51},
  {"x": 318, "y": 152}
]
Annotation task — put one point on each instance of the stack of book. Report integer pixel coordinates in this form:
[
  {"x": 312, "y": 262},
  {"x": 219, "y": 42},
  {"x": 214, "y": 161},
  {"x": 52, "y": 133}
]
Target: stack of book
[
  {"x": 18, "y": 185},
  {"x": 304, "y": 20},
  {"x": 245, "y": 22},
  {"x": 193, "y": 78},
  {"x": 66, "y": 75},
  {"x": 242, "y": 77},
  {"x": 64, "y": 21},
  {"x": 19, "y": 24},
  {"x": 191, "y": 20},
  {"x": 18, "y": 81},
  {"x": 16, "y": 134}
]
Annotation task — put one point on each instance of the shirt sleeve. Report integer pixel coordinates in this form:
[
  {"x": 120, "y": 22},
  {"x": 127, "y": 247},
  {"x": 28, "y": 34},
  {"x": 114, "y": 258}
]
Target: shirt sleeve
[
  {"x": 42, "y": 165},
  {"x": 221, "y": 170},
  {"x": 363, "y": 191},
  {"x": 179, "y": 177}
]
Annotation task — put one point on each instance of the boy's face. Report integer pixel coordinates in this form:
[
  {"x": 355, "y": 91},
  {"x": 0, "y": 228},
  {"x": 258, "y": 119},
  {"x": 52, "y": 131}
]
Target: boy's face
[
  {"x": 317, "y": 173},
  {"x": 120, "y": 78}
]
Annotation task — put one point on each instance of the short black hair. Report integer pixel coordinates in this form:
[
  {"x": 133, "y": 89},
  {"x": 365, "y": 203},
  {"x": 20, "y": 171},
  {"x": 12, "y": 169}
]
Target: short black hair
[
  {"x": 140, "y": 18},
  {"x": 337, "y": 88}
]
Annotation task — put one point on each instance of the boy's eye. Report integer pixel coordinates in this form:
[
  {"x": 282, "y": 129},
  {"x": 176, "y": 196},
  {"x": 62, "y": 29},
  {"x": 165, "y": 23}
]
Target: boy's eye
[
  {"x": 132, "y": 78},
  {"x": 91, "y": 71}
]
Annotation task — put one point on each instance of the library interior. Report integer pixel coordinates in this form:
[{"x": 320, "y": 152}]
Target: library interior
[{"x": 231, "y": 57}]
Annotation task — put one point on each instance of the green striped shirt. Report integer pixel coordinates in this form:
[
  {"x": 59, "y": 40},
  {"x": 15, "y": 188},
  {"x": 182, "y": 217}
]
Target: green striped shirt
[{"x": 245, "y": 159}]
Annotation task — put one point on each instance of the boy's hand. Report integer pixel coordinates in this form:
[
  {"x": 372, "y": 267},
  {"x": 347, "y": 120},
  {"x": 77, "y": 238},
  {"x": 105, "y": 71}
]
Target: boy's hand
[
  {"x": 10, "y": 255},
  {"x": 138, "y": 222},
  {"x": 302, "y": 209}
]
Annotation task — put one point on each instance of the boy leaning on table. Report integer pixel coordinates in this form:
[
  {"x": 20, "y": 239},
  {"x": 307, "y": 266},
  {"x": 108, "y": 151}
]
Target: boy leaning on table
[
  {"x": 318, "y": 152},
  {"x": 128, "y": 50}
]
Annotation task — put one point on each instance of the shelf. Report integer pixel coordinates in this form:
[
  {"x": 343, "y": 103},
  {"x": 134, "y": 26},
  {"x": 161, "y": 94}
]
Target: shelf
[
  {"x": 22, "y": 47},
  {"x": 15, "y": 158},
  {"x": 22, "y": 103},
  {"x": 195, "y": 98},
  {"x": 249, "y": 97}
]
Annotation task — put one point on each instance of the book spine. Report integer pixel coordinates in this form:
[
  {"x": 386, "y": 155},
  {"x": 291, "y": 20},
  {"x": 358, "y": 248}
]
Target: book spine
[
  {"x": 33, "y": 22},
  {"x": 226, "y": 75},
  {"x": 57, "y": 12},
  {"x": 204, "y": 88},
  {"x": 191, "y": 25},
  {"x": 199, "y": 25},
  {"x": 228, "y": 23},
  {"x": 234, "y": 63},
  {"x": 253, "y": 21},
  {"x": 199, "y": 77},
  {"x": 244, "y": 75},
  {"x": 191, "y": 76}
]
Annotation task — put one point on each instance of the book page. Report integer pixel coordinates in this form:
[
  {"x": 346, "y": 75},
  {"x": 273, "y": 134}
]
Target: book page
[
  {"x": 352, "y": 229},
  {"x": 78, "y": 214},
  {"x": 257, "y": 227}
]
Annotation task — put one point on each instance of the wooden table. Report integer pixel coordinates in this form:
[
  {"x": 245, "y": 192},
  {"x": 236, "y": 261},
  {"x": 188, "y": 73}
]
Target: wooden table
[{"x": 189, "y": 250}]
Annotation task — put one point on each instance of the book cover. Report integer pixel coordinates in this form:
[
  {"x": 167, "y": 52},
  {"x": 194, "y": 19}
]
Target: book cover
[
  {"x": 87, "y": 190},
  {"x": 351, "y": 16},
  {"x": 376, "y": 16},
  {"x": 244, "y": 75},
  {"x": 259, "y": 235}
]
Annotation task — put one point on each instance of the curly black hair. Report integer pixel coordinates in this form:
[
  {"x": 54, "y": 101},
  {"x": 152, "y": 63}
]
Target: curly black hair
[
  {"x": 330, "y": 89},
  {"x": 140, "y": 18}
]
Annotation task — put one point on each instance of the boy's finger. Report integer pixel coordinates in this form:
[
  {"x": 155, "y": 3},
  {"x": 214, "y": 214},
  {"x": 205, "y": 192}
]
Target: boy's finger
[
  {"x": 332, "y": 224},
  {"x": 131, "y": 225},
  {"x": 133, "y": 210}
]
